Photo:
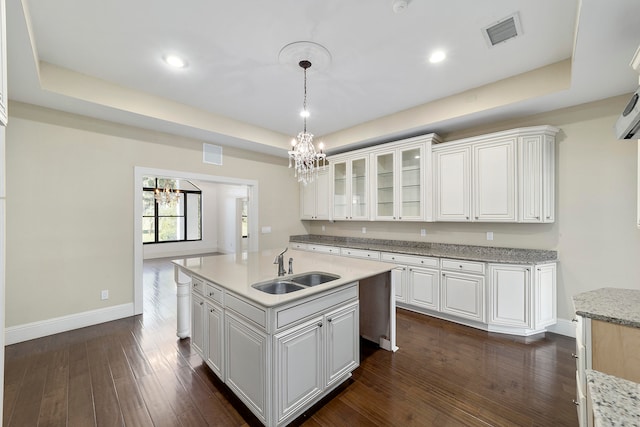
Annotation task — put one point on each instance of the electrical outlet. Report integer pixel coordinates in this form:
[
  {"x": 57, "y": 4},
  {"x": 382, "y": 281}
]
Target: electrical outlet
[
  {"x": 364, "y": 230},
  {"x": 323, "y": 228},
  {"x": 266, "y": 229},
  {"x": 423, "y": 232},
  {"x": 489, "y": 235},
  {"x": 104, "y": 294}
]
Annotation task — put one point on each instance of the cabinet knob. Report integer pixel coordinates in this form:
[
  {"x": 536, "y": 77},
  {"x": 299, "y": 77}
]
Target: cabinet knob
[
  {"x": 399, "y": 217},
  {"x": 461, "y": 266},
  {"x": 575, "y": 402},
  {"x": 200, "y": 303},
  {"x": 329, "y": 320},
  {"x": 575, "y": 319},
  {"x": 394, "y": 217},
  {"x": 212, "y": 310},
  {"x": 210, "y": 294},
  {"x": 537, "y": 217},
  {"x": 421, "y": 261},
  {"x": 467, "y": 217},
  {"x": 548, "y": 217},
  {"x": 320, "y": 325},
  {"x": 476, "y": 217},
  {"x": 575, "y": 356},
  {"x": 443, "y": 274}
]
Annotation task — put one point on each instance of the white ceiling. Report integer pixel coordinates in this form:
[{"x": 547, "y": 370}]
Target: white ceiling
[{"x": 104, "y": 59}]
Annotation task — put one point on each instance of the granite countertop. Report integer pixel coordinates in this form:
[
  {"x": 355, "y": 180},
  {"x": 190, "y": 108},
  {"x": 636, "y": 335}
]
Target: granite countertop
[
  {"x": 616, "y": 401},
  {"x": 237, "y": 272},
  {"x": 612, "y": 305},
  {"x": 440, "y": 250}
]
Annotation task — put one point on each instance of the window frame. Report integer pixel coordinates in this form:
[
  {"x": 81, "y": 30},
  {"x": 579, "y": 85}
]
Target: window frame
[{"x": 156, "y": 214}]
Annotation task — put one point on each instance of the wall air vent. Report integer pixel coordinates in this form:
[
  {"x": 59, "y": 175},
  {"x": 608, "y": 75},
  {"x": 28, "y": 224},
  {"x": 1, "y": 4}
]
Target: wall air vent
[
  {"x": 212, "y": 154},
  {"x": 503, "y": 30}
]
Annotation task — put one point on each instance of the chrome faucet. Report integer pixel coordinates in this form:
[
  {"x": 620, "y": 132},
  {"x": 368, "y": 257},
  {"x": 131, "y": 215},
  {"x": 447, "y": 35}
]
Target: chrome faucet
[{"x": 280, "y": 261}]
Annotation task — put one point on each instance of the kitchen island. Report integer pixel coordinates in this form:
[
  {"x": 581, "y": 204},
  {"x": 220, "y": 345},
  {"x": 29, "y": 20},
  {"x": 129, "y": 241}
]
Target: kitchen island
[{"x": 282, "y": 353}]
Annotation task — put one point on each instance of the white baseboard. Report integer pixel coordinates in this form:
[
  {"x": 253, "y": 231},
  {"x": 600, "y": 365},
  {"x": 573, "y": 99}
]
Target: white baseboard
[
  {"x": 29, "y": 331},
  {"x": 563, "y": 327}
]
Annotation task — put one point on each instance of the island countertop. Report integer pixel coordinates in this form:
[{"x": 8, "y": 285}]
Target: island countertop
[
  {"x": 237, "y": 272},
  {"x": 613, "y": 305}
]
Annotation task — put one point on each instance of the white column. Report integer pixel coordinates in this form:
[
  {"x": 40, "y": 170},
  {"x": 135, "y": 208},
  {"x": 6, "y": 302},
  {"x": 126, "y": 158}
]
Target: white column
[{"x": 183, "y": 315}]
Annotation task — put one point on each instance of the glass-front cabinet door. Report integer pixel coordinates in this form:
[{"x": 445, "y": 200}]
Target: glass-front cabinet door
[
  {"x": 411, "y": 180},
  {"x": 350, "y": 188},
  {"x": 359, "y": 194},
  {"x": 399, "y": 184}
]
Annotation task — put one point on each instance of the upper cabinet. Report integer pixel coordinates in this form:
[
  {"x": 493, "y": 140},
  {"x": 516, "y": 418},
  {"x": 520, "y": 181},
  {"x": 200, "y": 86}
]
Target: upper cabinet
[
  {"x": 314, "y": 197},
  {"x": 350, "y": 187},
  {"x": 400, "y": 178},
  {"x": 3, "y": 65},
  {"x": 502, "y": 177}
]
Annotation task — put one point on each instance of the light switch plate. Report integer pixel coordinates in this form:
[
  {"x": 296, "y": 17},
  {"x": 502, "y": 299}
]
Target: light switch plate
[{"x": 266, "y": 229}]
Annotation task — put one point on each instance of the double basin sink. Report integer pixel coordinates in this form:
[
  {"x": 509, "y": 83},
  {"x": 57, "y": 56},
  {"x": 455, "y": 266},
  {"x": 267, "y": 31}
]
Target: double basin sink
[{"x": 295, "y": 283}]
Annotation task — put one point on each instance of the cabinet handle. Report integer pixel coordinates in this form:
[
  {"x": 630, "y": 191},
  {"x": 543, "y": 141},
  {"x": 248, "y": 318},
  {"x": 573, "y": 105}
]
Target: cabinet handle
[
  {"x": 575, "y": 319},
  {"x": 537, "y": 217},
  {"x": 539, "y": 269},
  {"x": 329, "y": 320},
  {"x": 476, "y": 217},
  {"x": 201, "y": 303},
  {"x": 210, "y": 294},
  {"x": 399, "y": 217},
  {"x": 549, "y": 217},
  {"x": 461, "y": 267},
  {"x": 394, "y": 217},
  {"x": 393, "y": 258},
  {"x": 443, "y": 274},
  {"x": 527, "y": 269},
  {"x": 575, "y": 402},
  {"x": 320, "y": 325},
  {"x": 212, "y": 310},
  {"x": 467, "y": 217},
  {"x": 575, "y": 356}
]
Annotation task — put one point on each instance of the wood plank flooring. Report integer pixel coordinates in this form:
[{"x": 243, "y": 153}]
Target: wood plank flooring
[{"x": 136, "y": 372}]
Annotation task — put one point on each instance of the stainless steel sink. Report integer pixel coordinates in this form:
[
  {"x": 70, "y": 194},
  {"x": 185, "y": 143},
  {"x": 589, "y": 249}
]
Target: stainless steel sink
[
  {"x": 314, "y": 278},
  {"x": 278, "y": 287}
]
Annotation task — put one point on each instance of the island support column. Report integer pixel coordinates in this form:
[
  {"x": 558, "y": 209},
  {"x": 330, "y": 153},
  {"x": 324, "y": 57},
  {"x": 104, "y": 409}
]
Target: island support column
[
  {"x": 183, "y": 283},
  {"x": 378, "y": 311}
]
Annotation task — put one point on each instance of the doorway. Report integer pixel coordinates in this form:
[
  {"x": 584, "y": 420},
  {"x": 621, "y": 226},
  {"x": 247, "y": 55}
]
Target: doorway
[{"x": 249, "y": 193}]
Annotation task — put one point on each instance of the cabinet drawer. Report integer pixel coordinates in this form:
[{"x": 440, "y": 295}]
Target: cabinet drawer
[
  {"x": 466, "y": 266},
  {"x": 299, "y": 246},
  {"x": 360, "y": 253},
  {"x": 409, "y": 260},
  {"x": 213, "y": 292},
  {"x": 300, "y": 311},
  {"x": 197, "y": 284},
  {"x": 324, "y": 249},
  {"x": 248, "y": 311}
]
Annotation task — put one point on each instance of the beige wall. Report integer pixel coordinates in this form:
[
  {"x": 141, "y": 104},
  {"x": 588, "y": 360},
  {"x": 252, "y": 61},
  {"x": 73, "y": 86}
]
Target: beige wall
[
  {"x": 70, "y": 206},
  {"x": 594, "y": 233}
]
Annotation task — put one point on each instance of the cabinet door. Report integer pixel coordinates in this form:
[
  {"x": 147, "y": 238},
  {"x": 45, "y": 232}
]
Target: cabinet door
[
  {"x": 4, "y": 97},
  {"x": 531, "y": 179},
  {"x": 214, "y": 327},
  {"x": 197, "y": 324},
  {"x": 452, "y": 184},
  {"x": 545, "y": 295},
  {"x": 548, "y": 179},
  {"x": 410, "y": 182},
  {"x": 322, "y": 189},
  {"x": 343, "y": 342},
  {"x": 359, "y": 184},
  {"x": 463, "y": 295},
  {"x": 424, "y": 286},
  {"x": 510, "y": 295},
  {"x": 398, "y": 276},
  {"x": 494, "y": 181},
  {"x": 384, "y": 164},
  {"x": 339, "y": 175},
  {"x": 299, "y": 366},
  {"x": 246, "y": 363},
  {"x": 308, "y": 200}
]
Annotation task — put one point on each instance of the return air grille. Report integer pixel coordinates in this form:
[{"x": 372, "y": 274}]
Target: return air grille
[{"x": 503, "y": 30}]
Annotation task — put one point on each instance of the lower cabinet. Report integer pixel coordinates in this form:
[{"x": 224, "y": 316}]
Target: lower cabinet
[
  {"x": 510, "y": 295},
  {"x": 398, "y": 275},
  {"x": 424, "y": 287},
  {"x": 197, "y": 323},
  {"x": 463, "y": 295},
  {"x": 246, "y": 351},
  {"x": 312, "y": 357},
  {"x": 214, "y": 325}
]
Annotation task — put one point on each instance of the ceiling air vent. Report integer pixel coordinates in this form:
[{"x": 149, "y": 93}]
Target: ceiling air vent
[{"x": 503, "y": 30}]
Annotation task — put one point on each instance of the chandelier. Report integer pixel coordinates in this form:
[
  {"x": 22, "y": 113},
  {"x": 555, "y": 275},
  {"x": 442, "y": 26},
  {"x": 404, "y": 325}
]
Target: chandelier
[
  {"x": 303, "y": 155},
  {"x": 167, "y": 197}
]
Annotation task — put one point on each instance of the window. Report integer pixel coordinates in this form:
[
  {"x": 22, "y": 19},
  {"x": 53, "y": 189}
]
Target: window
[{"x": 175, "y": 222}]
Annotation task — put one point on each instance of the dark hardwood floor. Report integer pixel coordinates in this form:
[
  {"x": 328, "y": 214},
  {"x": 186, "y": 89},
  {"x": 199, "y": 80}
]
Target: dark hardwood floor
[{"x": 136, "y": 372}]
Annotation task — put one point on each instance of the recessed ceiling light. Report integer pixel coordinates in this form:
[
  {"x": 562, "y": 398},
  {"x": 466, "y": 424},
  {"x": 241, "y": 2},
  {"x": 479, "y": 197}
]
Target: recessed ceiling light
[
  {"x": 437, "y": 56},
  {"x": 175, "y": 61}
]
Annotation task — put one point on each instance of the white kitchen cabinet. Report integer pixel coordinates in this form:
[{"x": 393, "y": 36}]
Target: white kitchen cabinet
[
  {"x": 350, "y": 187},
  {"x": 545, "y": 296},
  {"x": 510, "y": 295},
  {"x": 247, "y": 358},
  {"x": 299, "y": 366},
  {"x": 398, "y": 175},
  {"x": 197, "y": 323},
  {"x": 214, "y": 330},
  {"x": 342, "y": 342},
  {"x": 502, "y": 177},
  {"x": 398, "y": 278},
  {"x": 452, "y": 183},
  {"x": 314, "y": 197},
  {"x": 463, "y": 293},
  {"x": 494, "y": 181},
  {"x": 537, "y": 178},
  {"x": 424, "y": 287}
]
